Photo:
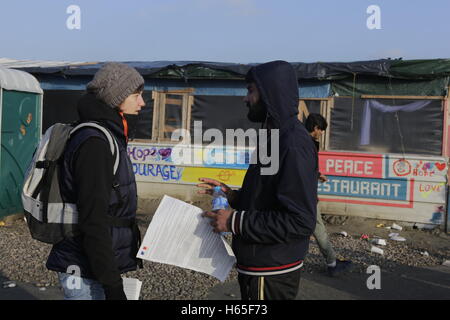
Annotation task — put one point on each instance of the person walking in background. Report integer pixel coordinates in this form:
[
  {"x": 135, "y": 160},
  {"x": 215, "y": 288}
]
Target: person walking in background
[{"x": 316, "y": 126}]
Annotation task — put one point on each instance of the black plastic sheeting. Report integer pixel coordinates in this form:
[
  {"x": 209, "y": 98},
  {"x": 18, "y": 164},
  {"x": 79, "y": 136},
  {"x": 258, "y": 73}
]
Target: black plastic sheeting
[
  {"x": 418, "y": 132},
  {"x": 221, "y": 112},
  {"x": 140, "y": 127},
  {"x": 175, "y": 69},
  {"x": 339, "y": 70},
  {"x": 215, "y": 112},
  {"x": 420, "y": 69},
  {"x": 370, "y": 85},
  {"x": 377, "y": 77},
  {"x": 202, "y": 69},
  {"x": 319, "y": 70},
  {"x": 60, "y": 106}
]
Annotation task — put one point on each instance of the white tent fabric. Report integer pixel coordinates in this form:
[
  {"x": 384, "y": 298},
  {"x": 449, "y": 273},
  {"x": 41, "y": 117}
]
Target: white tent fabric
[
  {"x": 18, "y": 80},
  {"x": 13, "y": 63}
]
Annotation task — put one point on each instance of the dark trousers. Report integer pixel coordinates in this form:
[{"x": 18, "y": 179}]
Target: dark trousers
[{"x": 277, "y": 287}]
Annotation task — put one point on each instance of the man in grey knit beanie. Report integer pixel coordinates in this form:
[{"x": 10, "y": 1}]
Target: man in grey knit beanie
[{"x": 114, "y": 82}]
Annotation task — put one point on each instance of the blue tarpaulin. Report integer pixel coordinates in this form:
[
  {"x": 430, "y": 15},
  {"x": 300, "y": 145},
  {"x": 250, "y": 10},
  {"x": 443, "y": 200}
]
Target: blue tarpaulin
[{"x": 314, "y": 89}]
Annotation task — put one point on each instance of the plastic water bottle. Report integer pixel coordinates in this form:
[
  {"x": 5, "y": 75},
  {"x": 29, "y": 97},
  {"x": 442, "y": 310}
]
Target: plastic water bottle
[{"x": 220, "y": 201}]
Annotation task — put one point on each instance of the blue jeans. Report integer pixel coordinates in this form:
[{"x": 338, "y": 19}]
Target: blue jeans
[{"x": 77, "y": 288}]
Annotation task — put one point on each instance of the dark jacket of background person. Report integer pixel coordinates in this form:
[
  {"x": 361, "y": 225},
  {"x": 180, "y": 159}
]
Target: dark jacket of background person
[
  {"x": 277, "y": 213},
  {"x": 101, "y": 251}
]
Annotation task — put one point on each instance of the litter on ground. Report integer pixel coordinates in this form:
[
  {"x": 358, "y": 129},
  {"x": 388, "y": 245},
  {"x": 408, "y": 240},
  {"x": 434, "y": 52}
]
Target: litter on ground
[{"x": 376, "y": 250}]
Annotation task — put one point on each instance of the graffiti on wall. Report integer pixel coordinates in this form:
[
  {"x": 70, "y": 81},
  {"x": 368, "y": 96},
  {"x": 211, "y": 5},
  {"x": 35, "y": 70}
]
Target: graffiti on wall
[
  {"x": 438, "y": 215},
  {"x": 418, "y": 168},
  {"x": 370, "y": 177},
  {"x": 145, "y": 172},
  {"x": 225, "y": 175},
  {"x": 144, "y": 154},
  {"x": 165, "y": 172},
  {"x": 199, "y": 156}
]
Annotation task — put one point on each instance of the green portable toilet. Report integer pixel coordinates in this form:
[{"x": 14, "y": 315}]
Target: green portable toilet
[{"x": 20, "y": 131}]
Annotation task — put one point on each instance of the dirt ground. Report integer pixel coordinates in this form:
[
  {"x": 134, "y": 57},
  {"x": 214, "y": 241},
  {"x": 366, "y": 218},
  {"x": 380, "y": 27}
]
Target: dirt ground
[
  {"x": 406, "y": 273},
  {"x": 435, "y": 239}
]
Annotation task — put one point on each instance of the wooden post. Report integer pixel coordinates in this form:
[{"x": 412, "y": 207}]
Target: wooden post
[
  {"x": 370, "y": 96},
  {"x": 445, "y": 131},
  {"x": 300, "y": 113},
  {"x": 184, "y": 111},
  {"x": 330, "y": 105},
  {"x": 160, "y": 100},
  {"x": 155, "y": 124},
  {"x": 162, "y": 116},
  {"x": 323, "y": 112},
  {"x": 302, "y": 109},
  {"x": 188, "y": 112}
]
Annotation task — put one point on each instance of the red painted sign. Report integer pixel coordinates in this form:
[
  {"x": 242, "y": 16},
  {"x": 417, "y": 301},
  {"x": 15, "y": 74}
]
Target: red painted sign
[{"x": 351, "y": 164}]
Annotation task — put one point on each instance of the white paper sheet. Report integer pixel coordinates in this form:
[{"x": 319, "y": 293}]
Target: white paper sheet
[
  {"x": 132, "y": 288},
  {"x": 180, "y": 236}
]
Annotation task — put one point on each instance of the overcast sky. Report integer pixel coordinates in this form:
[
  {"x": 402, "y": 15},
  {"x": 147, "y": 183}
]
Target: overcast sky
[{"x": 240, "y": 31}]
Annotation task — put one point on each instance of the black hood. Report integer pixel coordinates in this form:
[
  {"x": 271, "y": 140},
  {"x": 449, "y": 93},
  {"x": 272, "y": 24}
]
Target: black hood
[
  {"x": 278, "y": 89},
  {"x": 92, "y": 109}
]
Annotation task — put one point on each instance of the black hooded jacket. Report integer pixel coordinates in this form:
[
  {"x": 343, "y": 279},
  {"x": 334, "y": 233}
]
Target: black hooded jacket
[{"x": 276, "y": 214}]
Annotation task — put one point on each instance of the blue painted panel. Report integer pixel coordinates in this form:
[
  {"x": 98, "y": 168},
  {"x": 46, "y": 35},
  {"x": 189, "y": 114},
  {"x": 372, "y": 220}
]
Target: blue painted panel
[
  {"x": 387, "y": 189},
  {"x": 314, "y": 90},
  {"x": 202, "y": 87}
]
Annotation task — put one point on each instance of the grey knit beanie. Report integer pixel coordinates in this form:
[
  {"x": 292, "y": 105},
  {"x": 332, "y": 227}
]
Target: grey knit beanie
[{"x": 114, "y": 82}]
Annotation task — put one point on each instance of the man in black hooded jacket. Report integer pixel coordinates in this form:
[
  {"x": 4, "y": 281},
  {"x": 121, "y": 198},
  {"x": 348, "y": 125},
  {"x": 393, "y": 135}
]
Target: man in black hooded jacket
[{"x": 274, "y": 215}]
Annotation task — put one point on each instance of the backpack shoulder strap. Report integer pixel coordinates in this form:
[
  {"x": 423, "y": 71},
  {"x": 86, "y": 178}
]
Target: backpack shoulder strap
[{"x": 109, "y": 136}]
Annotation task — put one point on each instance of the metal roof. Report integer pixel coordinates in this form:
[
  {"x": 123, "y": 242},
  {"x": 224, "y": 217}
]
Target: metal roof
[{"x": 18, "y": 80}]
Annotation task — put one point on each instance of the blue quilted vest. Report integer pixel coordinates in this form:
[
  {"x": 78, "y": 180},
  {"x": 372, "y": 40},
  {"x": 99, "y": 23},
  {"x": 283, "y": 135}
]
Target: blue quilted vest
[{"x": 122, "y": 209}]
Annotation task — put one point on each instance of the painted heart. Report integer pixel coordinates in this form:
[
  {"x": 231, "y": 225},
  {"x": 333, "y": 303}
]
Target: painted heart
[{"x": 440, "y": 165}]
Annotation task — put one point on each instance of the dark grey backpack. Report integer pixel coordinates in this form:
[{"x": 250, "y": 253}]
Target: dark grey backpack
[{"x": 49, "y": 219}]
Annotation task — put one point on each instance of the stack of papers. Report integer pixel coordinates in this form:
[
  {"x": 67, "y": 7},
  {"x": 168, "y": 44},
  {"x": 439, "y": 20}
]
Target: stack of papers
[
  {"x": 132, "y": 288},
  {"x": 180, "y": 236}
]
